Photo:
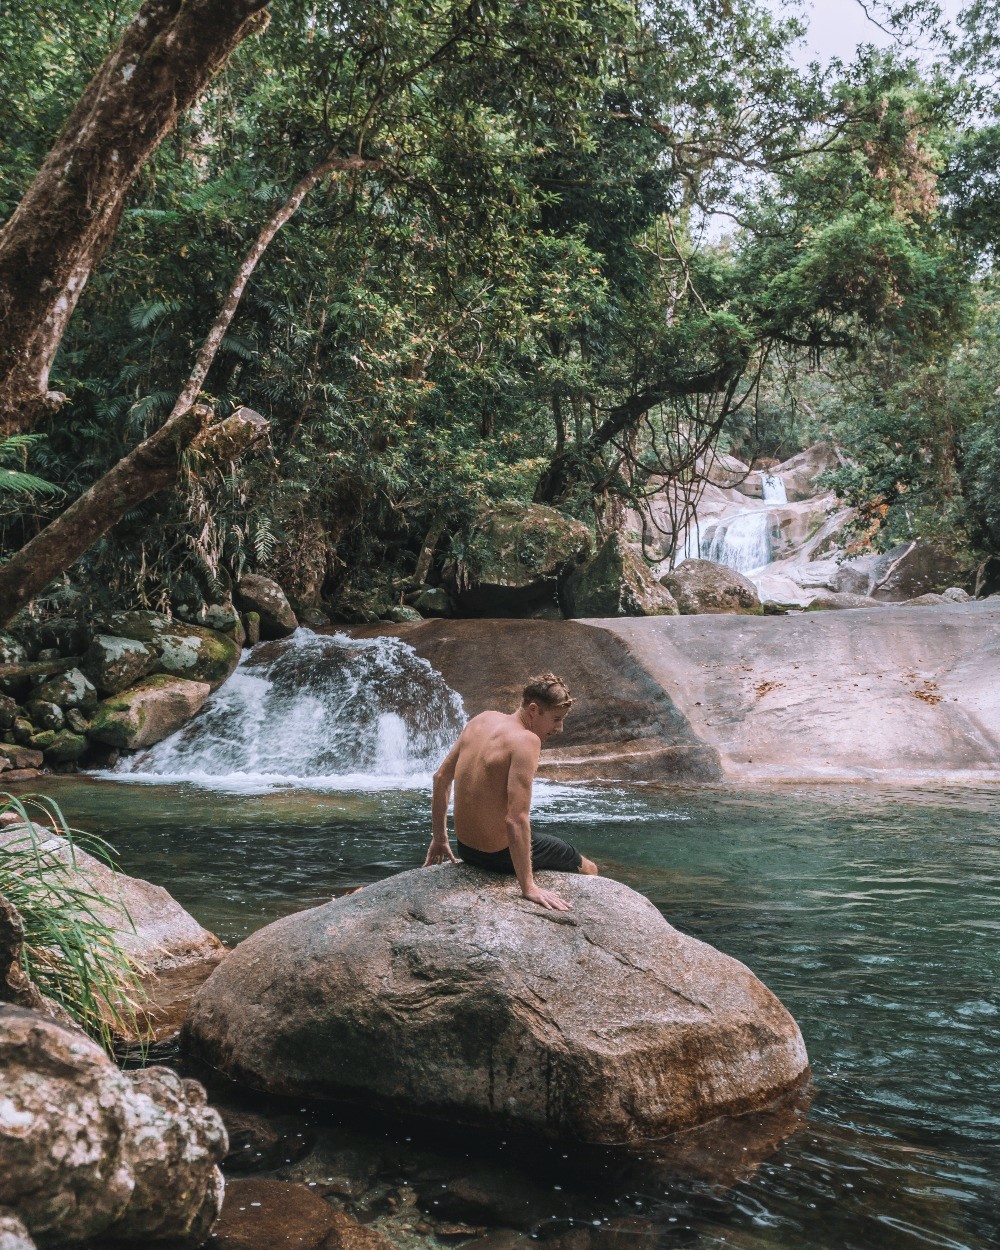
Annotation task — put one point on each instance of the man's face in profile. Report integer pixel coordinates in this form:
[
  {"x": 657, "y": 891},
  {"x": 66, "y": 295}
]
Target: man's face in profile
[{"x": 549, "y": 720}]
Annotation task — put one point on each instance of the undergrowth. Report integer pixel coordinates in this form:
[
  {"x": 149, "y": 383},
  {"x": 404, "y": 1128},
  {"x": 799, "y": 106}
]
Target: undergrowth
[{"x": 71, "y": 949}]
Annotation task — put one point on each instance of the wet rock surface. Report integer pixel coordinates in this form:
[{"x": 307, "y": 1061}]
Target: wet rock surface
[
  {"x": 89, "y": 1152},
  {"x": 897, "y": 692},
  {"x": 623, "y": 725},
  {"x": 444, "y": 993},
  {"x": 262, "y": 1213}
]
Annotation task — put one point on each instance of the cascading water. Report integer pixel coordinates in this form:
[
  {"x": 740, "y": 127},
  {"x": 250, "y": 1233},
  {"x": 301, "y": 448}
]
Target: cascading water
[
  {"x": 318, "y": 710},
  {"x": 741, "y": 541},
  {"x": 773, "y": 488}
]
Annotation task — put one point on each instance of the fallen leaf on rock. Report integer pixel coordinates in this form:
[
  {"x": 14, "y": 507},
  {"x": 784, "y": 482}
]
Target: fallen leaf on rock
[{"x": 765, "y": 687}]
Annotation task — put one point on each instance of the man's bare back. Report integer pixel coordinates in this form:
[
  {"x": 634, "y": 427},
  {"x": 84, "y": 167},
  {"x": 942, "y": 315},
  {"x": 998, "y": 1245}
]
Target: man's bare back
[
  {"x": 492, "y": 766},
  {"x": 488, "y": 745}
]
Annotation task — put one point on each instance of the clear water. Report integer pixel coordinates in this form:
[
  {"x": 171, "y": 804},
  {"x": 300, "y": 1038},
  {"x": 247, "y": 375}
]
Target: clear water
[{"x": 872, "y": 914}]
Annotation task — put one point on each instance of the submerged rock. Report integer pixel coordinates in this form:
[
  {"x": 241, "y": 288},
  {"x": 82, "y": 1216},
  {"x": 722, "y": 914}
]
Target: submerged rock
[
  {"x": 88, "y": 1152},
  {"x": 617, "y": 582},
  {"x": 704, "y": 586},
  {"x": 443, "y": 992},
  {"x": 267, "y": 599},
  {"x": 261, "y": 1214},
  {"x": 149, "y": 712}
]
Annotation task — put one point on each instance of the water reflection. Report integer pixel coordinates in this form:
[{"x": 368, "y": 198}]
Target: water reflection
[{"x": 873, "y": 916}]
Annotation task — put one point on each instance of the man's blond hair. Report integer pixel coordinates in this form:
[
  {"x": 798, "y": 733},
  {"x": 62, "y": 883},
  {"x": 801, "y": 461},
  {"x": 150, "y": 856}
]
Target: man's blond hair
[{"x": 548, "y": 691}]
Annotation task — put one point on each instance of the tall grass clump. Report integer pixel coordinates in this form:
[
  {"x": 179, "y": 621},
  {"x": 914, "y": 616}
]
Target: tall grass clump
[{"x": 71, "y": 951}]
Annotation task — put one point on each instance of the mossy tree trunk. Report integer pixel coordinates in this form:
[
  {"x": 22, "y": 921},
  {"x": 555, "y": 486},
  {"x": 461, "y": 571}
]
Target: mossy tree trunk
[{"x": 68, "y": 215}]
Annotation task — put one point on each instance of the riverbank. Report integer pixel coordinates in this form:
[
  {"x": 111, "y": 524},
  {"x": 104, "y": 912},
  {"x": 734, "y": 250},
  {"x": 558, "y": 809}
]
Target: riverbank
[{"x": 897, "y": 695}]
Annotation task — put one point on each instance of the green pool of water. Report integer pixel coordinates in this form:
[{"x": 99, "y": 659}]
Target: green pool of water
[{"x": 872, "y": 914}]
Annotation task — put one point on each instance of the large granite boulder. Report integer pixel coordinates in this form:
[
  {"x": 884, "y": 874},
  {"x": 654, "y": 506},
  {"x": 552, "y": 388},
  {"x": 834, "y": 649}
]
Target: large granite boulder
[
  {"x": 148, "y": 712},
  {"x": 444, "y": 992},
  {"x": 113, "y": 664},
  {"x": 703, "y": 586},
  {"x": 514, "y": 558},
  {"x": 89, "y": 1152},
  {"x": 182, "y": 650},
  {"x": 267, "y": 599},
  {"x": 914, "y": 569},
  {"x": 801, "y": 472},
  {"x": 617, "y": 582},
  {"x": 903, "y": 574}
]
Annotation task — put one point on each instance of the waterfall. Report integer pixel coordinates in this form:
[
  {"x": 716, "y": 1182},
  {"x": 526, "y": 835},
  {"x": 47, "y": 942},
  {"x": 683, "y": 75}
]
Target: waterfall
[
  {"x": 321, "y": 710},
  {"x": 743, "y": 542},
  {"x": 773, "y": 488}
]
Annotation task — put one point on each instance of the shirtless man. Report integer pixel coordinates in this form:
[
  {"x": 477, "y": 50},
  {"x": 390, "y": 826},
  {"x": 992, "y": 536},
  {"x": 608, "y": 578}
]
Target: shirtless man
[{"x": 492, "y": 766}]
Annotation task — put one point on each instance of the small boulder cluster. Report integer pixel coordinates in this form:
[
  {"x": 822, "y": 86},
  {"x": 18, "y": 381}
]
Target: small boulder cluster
[{"x": 77, "y": 694}]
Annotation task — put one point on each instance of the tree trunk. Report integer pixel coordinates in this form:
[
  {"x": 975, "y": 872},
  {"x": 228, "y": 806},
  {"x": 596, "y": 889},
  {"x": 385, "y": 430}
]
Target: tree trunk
[
  {"x": 149, "y": 468},
  {"x": 154, "y": 464},
  {"x": 68, "y": 215}
]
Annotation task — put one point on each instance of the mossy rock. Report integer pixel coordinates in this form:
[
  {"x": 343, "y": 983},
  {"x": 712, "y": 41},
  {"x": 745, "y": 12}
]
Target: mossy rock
[
  {"x": 149, "y": 712},
  {"x": 70, "y": 689},
  {"x": 514, "y": 557},
  {"x": 65, "y": 747},
  {"x": 45, "y": 714},
  {"x": 617, "y": 582},
  {"x": 189, "y": 651},
  {"x": 702, "y": 586}
]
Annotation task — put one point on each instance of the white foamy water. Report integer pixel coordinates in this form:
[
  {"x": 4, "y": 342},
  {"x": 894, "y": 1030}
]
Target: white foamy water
[
  {"x": 742, "y": 542},
  {"x": 773, "y": 488},
  {"x": 314, "y": 711}
]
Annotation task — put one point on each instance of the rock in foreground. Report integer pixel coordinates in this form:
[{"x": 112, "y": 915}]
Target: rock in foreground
[
  {"x": 87, "y": 1151},
  {"x": 444, "y": 993}
]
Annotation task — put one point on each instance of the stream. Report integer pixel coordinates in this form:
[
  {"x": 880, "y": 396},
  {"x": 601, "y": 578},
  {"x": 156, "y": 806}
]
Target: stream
[{"x": 873, "y": 914}]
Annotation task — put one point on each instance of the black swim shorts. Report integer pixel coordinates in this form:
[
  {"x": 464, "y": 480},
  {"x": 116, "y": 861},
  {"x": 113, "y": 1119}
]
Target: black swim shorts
[{"x": 547, "y": 852}]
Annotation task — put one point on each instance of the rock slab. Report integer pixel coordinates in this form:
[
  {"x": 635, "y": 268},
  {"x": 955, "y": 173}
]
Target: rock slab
[
  {"x": 443, "y": 992},
  {"x": 87, "y": 1151},
  {"x": 149, "y": 712}
]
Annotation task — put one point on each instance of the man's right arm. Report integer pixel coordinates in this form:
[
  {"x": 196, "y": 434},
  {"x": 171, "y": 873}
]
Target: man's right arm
[{"x": 523, "y": 763}]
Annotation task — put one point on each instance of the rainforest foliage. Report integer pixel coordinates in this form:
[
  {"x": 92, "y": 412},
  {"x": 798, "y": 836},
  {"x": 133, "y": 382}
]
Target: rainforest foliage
[{"x": 582, "y": 243}]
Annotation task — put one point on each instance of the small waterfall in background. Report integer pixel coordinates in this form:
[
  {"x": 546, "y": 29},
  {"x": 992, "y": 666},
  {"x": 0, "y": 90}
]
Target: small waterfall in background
[
  {"x": 773, "y": 488},
  {"x": 741, "y": 541},
  {"x": 316, "y": 710}
]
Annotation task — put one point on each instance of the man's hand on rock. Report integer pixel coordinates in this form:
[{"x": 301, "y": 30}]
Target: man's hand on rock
[
  {"x": 439, "y": 851},
  {"x": 546, "y": 898}
]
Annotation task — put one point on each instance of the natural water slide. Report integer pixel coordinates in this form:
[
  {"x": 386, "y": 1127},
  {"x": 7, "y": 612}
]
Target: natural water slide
[{"x": 892, "y": 694}]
